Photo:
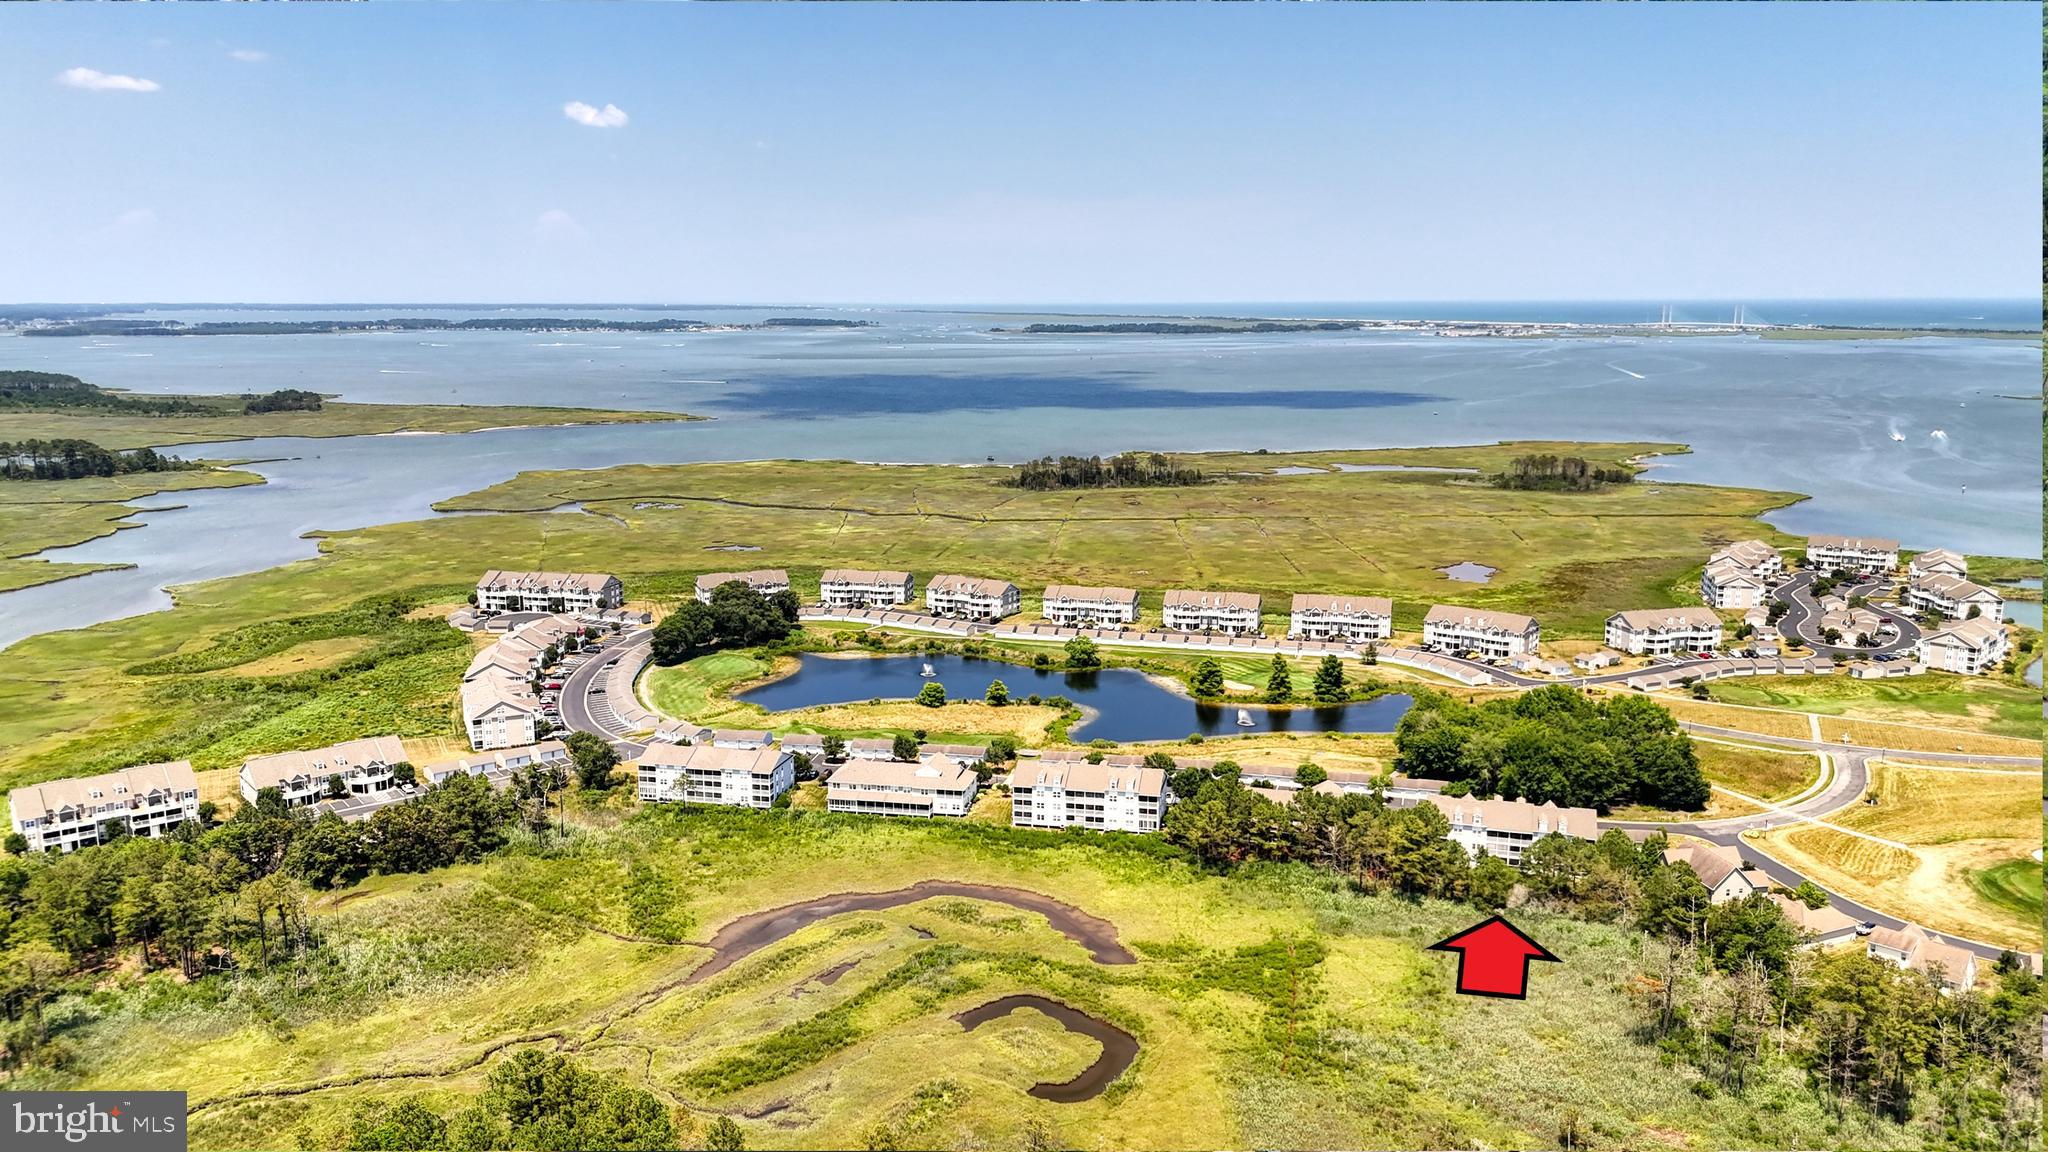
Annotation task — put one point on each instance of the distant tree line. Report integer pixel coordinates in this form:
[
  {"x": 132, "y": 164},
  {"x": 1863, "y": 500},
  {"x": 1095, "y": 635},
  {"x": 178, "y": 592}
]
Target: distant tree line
[
  {"x": 1125, "y": 470},
  {"x": 76, "y": 459},
  {"x": 409, "y": 324},
  {"x": 1547, "y": 473},
  {"x": 46, "y": 390},
  {"x": 737, "y": 617},
  {"x": 1555, "y": 744},
  {"x": 1192, "y": 328},
  {"x": 283, "y": 400}
]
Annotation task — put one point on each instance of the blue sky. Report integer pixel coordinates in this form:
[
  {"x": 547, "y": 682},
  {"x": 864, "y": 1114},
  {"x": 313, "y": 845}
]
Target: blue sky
[{"x": 983, "y": 153}]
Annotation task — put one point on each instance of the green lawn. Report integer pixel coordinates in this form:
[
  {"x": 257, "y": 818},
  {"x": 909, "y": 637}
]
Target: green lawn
[
  {"x": 700, "y": 689},
  {"x": 2015, "y": 884},
  {"x": 1274, "y": 1007},
  {"x": 1972, "y": 703}
]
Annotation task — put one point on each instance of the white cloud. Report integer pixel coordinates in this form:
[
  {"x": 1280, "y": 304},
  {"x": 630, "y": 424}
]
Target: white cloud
[
  {"x": 556, "y": 224},
  {"x": 94, "y": 80},
  {"x": 249, "y": 55},
  {"x": 609, "y": 116}
]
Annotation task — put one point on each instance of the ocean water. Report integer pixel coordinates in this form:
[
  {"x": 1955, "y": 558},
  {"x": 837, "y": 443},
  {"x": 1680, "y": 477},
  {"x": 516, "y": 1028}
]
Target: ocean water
[{"x": 1817, "y": 417}]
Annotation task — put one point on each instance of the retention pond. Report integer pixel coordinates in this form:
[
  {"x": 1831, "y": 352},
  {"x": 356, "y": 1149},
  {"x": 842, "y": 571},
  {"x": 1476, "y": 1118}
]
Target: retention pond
[{"x": 1125, "y": 705}]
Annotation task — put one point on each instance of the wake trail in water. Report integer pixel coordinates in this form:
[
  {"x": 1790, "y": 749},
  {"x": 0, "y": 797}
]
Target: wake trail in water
[{"x": 1626, "y": 372}]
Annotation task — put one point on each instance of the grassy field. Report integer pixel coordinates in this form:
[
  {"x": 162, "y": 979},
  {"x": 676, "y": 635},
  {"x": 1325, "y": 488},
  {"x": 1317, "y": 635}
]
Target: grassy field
[
  {"x": 39, "y": 514},
  {"x": 1758, "y": 772},
  {"x": 1971, "y": 703},
  {"x": 1568, "y": 558},
  {"x": 1948, "y": 829},
  {"x": 335, "y": 418},
  {"x": 2015, "y": 884},
  {"x": 1274, "y": 1008}
]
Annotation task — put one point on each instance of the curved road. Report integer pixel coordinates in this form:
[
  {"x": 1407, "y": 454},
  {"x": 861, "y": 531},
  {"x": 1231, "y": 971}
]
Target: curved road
[
  {"x": 1801, "y": 621},
  {"x": 585, "y": 710}
]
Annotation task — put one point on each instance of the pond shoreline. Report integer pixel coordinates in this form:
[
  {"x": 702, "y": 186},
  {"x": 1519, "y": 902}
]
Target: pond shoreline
[{"x": 1122, "y": 705}]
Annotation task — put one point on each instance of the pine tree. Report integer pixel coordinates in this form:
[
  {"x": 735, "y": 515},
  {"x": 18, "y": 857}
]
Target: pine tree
[
  {"x": 1329, "y": 686},
  {"x": 1280, "y": 684}
]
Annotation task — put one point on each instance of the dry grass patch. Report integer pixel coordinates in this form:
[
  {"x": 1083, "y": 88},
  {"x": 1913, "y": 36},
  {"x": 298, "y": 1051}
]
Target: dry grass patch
[
  {"x": 1763, "y": 721},
  {"x": 304, "y": 657},
  {"x": 1760, "y": 772},
  {"x": 1027, "y": 722},
  {"x": 1944, "y": 826}
]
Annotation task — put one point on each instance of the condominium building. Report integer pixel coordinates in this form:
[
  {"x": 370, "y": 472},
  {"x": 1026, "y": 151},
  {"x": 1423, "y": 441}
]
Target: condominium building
[
  {"x": 1662, "y": 631},
  {"x": 499, "y": 712},
  {"x": 931, "y": 786},
  {"x": 1916, "y": 948},
  {"x": 708, "y": 774},
  {"x": 1953, "y": 597},
  {"x": 1727, "y": 585},
  {"x": 499, "y": 766},
  {"x": 1754, "y": 557},
  {"x": 1077, "y": 606},
  {"x": 548, "y": 591},
  {"x": 1077, "y": 794},
  {"x": 809, "y": 744},
  {"x": 1939, "y": 562},
  {"x": 871, "y": 748},
  {"x": 1314, "y": 616},
  {"x": 1869, "y": 555},
  {"x": 747, "y": 738},
  {"x": 363, "y": 768},
  {"x": 971, "y": 597},
  {"x": 1450, "y": 628},
  {"x": 1966, "y": 646},
  {"x": 766, "y": 581},
  {"x": 1504, "y": 828},
  {"x": 1228, "y": 613},
  {"x": 1725, "y": 876},
  {"x": 962, "y": 754},
  {"x": 862, "y": 588},
  {"x": 148, "y": 800}
]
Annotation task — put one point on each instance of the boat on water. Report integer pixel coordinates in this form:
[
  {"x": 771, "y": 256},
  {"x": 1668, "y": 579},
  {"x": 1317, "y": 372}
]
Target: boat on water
[
  {"x": 1898, "y": 439},
  {"x": 1938, "y": 434},
  {"x": 928, "y": 672},
  {"x": 1244, "y": 718}
]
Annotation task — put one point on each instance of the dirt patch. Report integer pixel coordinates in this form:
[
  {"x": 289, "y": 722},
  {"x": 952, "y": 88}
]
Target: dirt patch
[
  {"x": 305, "y": 656},
  {"x": 749, "y": 934},
  {"x": 1119, "y": 1047}
]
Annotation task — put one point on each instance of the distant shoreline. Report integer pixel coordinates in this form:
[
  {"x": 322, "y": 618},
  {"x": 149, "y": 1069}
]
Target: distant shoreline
[
  {"x": 1248, "y": 326},
  {"x": 104, "y": 326}
]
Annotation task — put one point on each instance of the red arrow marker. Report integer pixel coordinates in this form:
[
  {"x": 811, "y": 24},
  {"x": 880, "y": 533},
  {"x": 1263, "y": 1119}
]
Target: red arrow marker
[{"x": 1493, "y": 959}]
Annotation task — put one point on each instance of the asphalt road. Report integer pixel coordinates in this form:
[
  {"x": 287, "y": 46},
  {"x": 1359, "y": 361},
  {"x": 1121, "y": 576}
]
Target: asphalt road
[
  {"x": 1801, "y": 620},
  {"x": 1852, "y": 776},
  {"x": 584, "y": 710}
]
